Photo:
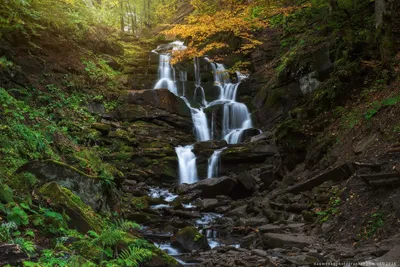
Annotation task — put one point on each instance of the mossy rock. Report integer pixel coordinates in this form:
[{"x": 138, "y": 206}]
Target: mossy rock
[
  {"x": 82, "y": 217},
  {"x": 189, "y": 239},
  {"x": 88, "y": 188},
  {"x": 102, "y": 127}
]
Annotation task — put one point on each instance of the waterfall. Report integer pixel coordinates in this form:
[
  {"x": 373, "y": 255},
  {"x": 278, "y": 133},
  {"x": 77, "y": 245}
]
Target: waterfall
[
  {"x": 200, "y": 122},
  {"x": 213, "y": 163},
  {"x": 236, "y": 117},
  {"x": 187, "y": 165},
  {"x": 166, "y": 74}
]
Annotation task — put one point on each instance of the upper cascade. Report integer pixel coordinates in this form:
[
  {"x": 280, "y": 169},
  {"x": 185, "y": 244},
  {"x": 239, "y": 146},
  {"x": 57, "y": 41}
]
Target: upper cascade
[{"x": 236, "y": 118}]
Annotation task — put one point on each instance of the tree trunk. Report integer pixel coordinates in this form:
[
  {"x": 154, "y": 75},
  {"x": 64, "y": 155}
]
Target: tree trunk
[
  {"x": 380, "y": 8},
  {"x": 121, "y": 5}
]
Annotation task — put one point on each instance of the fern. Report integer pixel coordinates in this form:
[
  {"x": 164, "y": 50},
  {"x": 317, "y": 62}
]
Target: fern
[
  {"x": 133, "y": 256},
  {"x": 125, "y": 225},
  {"x": 110, "y": 237}
]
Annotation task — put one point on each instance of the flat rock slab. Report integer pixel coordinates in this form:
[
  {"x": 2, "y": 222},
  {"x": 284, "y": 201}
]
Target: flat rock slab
[
  {"x": 272, "y": 240},
  {"x": 302, "y": 259},
  {"x": 341, "y": 172}
]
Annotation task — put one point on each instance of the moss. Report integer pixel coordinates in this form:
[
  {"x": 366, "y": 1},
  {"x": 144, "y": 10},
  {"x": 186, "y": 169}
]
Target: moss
[
  {"x": 139, "y": 203},
  {"x": 83, "y": 218}
]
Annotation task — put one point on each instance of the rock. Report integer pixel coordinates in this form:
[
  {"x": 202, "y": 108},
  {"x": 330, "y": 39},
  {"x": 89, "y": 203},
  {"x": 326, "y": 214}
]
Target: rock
[
  {"x": 11, "y": 254},
  {"x": 184, "y": 214},
  {"x": 249, "y": 240},
  {"x": 207, "y": 204},
  {"x": 301, "y": 260},
  {"x": 189, "y": 239},
  {"x": 252, "y": 222},
  {"x": 272, "y": 240},
  {"x": 82, "y": 217},
  {"x": 249, "y": 134},
  {"x": 270, "y": 228},
  {"x": 248, "y": 180},
  {"x": 210, "y": 188},
  {"x": 161, "y": 99},
  {"x": 259, "y": 252},
  {"x": 297, "y": 207},
  {"x": 104, "y": 128},
  {"x": 96, "y": 107},
  {"x": 239, "y": 212},
  {"x": 267, "y": 178},
  {"x": 88, "y": 188},
  {"x": 364, "y": 144},
  {"x": 263, "y": 136},
  {"x": 392, "y": 258},
  {"x": 206, "y": 148}
]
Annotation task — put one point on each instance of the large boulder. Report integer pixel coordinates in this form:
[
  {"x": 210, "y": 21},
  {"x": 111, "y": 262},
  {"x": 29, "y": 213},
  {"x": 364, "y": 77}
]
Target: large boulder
[
  {"x": 189, "y": 239},
  {"x": 210, "y": 188},
  {"x": 88, "y": 188},
  {"x": 82, "y": 217}
]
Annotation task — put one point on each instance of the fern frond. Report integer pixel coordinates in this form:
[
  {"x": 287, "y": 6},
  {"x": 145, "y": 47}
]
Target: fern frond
[
  {"x": 110, "y": 237},
  {"x": 133, "y": 256},
  {"x": 125, "y": 225}
]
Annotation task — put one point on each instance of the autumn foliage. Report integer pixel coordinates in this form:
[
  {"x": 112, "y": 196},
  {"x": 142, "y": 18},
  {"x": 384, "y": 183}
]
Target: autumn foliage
[{"x": 224, "y": 26}]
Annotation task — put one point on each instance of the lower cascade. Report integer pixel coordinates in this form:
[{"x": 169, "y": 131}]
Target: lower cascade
[
  {"x": 187, "y": 164},
  {"x": 236, "y": 118}
]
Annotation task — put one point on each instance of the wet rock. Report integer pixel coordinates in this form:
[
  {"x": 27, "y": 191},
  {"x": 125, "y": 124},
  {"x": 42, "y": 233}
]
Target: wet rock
[
  {"x": 297, "y": 208},
  {"x": 262, "y": 137},
  {"x": 63, "y": 200},
  {"x": 184, "y": 214},
  {"x": 210, "y": 188},
  {"x": 363, "y": 144},
  {"x": 249, "y": 134},
  {"x": 207, "y": 148},
  {"x": 302, "y": 259},
  {"x": 189, "y": 239},
  {"x": 88, "y": 188},
  {"x": 11, "y": 254},
  {"x": 272, "y": 240}
]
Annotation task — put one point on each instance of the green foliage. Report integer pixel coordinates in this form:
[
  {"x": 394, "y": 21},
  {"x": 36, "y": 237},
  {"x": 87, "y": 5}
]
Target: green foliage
[
  {"x": 99, "y": 72},
  {"x": 332, "y": 208},
  {"x": 17, "y": 215},
  {"x": 133, "y": 256},
  {"x": 375, "y": 222}
]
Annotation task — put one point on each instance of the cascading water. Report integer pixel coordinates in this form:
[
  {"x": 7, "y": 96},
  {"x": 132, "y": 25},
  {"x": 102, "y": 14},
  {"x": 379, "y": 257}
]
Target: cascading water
[
  {"x": 187, "y": 164},
  {"x": 236, "y": 117},
  {"x": 213, "y": 163},
  {"x": 166, "y": 74}
]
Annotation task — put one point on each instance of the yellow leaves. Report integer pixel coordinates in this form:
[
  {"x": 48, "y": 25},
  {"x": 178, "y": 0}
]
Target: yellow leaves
[{"x": 217, "y": 24}]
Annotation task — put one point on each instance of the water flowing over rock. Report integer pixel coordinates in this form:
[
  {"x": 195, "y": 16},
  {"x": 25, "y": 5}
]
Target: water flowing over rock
[
  {"x": 187, "y": 165},
  {"x": 236, "y": 119}
]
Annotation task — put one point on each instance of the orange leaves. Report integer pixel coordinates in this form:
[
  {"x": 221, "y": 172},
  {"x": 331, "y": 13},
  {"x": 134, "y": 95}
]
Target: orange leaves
[{"x": 226, "y": 26}]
